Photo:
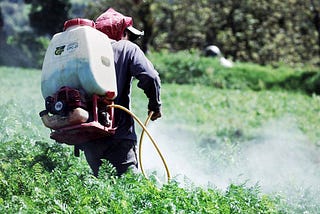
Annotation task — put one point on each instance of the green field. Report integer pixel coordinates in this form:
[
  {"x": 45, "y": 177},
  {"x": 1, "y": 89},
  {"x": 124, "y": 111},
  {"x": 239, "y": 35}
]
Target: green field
[{"x": 229, "y": 151}]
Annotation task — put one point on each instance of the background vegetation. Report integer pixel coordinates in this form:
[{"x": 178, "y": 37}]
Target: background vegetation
[
  {"x": 263, "y": 32},
  {"x": 184, "y": 67}
]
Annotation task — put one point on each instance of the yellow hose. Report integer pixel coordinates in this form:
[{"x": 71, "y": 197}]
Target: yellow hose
[
  {"x": 140, "y": 143},
  {"x": 144, "y": 129}
]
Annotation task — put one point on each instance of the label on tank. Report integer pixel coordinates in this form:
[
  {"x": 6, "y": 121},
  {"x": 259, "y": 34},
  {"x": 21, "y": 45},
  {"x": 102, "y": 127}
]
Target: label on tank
[{"x": 66, "y": 49}]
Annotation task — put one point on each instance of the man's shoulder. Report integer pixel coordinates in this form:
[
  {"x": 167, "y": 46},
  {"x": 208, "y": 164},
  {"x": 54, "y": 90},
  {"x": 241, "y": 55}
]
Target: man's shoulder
[
  {"x": 125, "y": 43},
  {"x": 130, "y": 49}
]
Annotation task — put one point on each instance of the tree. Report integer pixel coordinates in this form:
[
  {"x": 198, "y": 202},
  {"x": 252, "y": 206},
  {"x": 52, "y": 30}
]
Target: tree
[
  {"x": 47, "y": 17},
  {"x": 1, "y": 20},
  {"x": 259, "y": 31},
  {"x": 315, "y": 9},
  {"x": 263, "y": 31},
  {"x": 147, "y": 20}
]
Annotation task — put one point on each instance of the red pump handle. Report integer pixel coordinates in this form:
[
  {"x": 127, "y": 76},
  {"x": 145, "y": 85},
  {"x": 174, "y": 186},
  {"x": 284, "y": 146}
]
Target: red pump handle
[{"x": 78, "y": 21}]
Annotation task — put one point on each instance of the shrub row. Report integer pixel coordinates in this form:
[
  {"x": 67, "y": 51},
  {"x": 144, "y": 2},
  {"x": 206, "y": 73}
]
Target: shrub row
[{"x": 192, "y": 68}]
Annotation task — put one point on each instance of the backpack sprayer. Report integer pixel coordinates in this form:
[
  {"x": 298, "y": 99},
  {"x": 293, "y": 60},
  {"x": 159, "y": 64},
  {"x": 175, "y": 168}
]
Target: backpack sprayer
[{"x": 79, "y": 86}]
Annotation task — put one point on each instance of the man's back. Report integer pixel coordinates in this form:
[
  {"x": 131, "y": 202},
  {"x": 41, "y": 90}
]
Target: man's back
[{"x": 131, "y": 62}]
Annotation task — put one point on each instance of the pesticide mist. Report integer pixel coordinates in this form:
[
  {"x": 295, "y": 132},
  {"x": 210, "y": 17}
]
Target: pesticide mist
[{"x": 279, "y": 159}]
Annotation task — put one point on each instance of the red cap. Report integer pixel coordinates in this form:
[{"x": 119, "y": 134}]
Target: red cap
[
  {"x": 78, "y": 21},
  {"x": 113, "y": 23}
]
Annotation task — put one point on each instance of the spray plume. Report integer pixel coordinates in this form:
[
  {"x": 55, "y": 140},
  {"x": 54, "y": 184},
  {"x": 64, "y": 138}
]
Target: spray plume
[{"x": 280, "y": 159}]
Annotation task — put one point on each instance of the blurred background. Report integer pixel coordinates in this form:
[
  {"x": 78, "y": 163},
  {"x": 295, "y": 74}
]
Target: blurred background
[{"x": 264, "y": 32}]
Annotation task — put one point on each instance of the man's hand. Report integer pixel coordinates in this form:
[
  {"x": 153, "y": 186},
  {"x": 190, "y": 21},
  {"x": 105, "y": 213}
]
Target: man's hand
[{"x": 155, "y": 115}]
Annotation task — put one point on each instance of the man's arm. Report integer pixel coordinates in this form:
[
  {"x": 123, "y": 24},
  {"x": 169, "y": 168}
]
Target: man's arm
[{"x": 148, "y": 81}]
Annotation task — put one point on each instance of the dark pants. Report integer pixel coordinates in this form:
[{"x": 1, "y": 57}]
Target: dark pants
[{"x": 120, "y": 153}]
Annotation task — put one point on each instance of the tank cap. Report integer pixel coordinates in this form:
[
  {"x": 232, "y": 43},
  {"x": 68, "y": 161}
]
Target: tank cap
[{"x": 78, "y": 21}]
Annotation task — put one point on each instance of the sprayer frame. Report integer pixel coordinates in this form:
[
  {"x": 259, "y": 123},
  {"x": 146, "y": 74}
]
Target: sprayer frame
[{"x": 88, "y": 131}]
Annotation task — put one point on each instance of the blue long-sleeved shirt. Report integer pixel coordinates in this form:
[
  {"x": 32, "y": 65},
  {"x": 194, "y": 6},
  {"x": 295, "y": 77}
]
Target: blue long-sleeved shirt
[{"x": 131, "y": 62}]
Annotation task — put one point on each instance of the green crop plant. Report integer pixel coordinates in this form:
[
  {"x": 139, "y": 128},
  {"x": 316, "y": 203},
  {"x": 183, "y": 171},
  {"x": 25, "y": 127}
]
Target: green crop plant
[{"x": 38, "y": 175}]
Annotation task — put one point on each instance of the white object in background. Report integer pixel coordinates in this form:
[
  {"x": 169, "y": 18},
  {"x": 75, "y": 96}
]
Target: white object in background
[
  {"x": 214, "y": 51},
  {"x": 80, "y": 57},
  {"x": 225, "y": 62}
]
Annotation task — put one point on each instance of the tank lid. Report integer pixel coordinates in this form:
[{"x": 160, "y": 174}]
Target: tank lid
[{"x": 78, "y": 21}]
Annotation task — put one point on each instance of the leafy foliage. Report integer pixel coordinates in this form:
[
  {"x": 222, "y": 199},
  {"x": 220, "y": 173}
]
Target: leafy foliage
[
  {"x": 190, "y": 67},
  {"x": 250, "y": 31},
  {"x": 273, "y": 32},
  {"x": 27, "y": 30},
  {"x": 48, "y": 17},
  {"x": 1, "y": 19},
  {"x": 31, "y": 49},
  {"x": 38, "y": 175}
]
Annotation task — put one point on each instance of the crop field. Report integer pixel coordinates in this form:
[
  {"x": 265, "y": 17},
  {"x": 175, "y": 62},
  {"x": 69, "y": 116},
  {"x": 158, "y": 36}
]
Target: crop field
[{"x": 229, "y": 151}]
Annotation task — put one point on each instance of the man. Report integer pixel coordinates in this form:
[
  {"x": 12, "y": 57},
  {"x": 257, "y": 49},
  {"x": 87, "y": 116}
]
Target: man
[{"x": 130, "y": 61}]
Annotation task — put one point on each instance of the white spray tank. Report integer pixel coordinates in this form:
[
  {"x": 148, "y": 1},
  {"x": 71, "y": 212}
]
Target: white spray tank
[{"x": 80, "y": 57}]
